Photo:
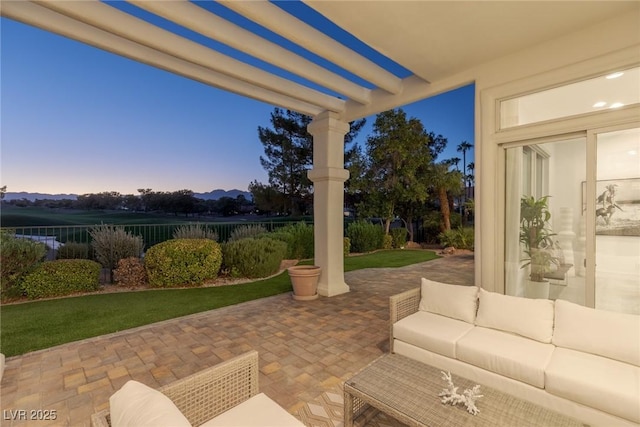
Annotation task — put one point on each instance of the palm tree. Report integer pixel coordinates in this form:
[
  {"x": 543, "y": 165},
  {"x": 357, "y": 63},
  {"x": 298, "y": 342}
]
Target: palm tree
[
  {"x": 454, "y": 161},
  {"x": 445, "y": 182},
  {"x": 463, "y": 147},
  {"x": 470, "y": 176}
]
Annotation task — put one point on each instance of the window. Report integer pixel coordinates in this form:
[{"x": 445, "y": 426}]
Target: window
[{"x": 607, "y": 92}]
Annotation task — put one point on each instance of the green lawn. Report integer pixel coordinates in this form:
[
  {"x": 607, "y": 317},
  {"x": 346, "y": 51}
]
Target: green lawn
[{"x": 42, "y": 324}]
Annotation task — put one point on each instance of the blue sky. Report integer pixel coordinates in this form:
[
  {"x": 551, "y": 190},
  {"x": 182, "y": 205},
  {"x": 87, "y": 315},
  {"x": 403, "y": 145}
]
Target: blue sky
[{"x": 75, "y": 119}]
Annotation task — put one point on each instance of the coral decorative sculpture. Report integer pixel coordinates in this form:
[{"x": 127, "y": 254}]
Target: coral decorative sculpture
[{"x": 450, "y": 395}]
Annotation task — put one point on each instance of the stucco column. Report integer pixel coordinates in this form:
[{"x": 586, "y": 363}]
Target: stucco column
[{"x": 328, "y": 176}]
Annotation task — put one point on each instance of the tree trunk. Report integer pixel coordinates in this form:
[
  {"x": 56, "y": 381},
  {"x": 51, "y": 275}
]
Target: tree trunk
[{"x": 444, "y": 209}]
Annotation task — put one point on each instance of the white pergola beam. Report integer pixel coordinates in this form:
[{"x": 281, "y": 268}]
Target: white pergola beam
[
  {"x": 100, "y": 15},
  {"x": 275, "y": 19},
  {"x": 37, "y": 16},
  {"x": 201, "y": 21}
]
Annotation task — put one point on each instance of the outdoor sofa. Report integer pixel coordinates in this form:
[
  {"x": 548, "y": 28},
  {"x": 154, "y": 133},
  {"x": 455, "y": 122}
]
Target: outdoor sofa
[
  {"x": 223, "y": 395},
  {"x": 578, "y": 361}
]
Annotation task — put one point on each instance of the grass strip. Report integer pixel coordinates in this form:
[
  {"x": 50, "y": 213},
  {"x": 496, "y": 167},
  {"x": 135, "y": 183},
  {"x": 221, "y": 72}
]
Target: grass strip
[{"x": 42, "y": 324}]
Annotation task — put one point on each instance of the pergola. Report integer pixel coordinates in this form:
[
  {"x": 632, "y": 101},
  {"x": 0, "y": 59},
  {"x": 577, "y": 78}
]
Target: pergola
[{"x": 443, "y": 44}]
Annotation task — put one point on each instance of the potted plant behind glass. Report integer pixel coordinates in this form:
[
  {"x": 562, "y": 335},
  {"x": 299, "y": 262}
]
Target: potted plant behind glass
[{"x": 536, "y": 235}]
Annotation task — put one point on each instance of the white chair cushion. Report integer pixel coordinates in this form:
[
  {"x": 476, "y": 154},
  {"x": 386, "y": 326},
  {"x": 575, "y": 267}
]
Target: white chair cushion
[
  {"x": 532, "y": 318},
  {"x": 600, "y": 332},
  {"x": 432, "y": 332},
  {"x": 136, "y": 404},
  {"x": 457, "y": 302},
  {"x": 595, "y": 381},
  {"x": 258, "y": 411},
  {"x": 506, "y": 354}
]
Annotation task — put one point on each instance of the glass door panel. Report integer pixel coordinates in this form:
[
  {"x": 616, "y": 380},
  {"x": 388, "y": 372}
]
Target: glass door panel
[
  {"x": 617, "y": 224},
  {"x": 555, "y": 169}
]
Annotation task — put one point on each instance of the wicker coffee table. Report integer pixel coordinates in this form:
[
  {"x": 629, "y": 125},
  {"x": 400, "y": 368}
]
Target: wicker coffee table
[{"x": 407, "y": 390}]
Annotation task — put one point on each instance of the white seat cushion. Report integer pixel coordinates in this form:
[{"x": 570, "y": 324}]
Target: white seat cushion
[
  {"x": 258, "y": 411},
  {"x": 600, "y": 332},
  {"x": 596, "y": 381},
  {"x": 506, "y": 354},
  {"x": 432, "y": 332},
  {"x": 136, "y": 404},
  {"x": 531, "y": 318},
  {"x": 455, "y": 301}
]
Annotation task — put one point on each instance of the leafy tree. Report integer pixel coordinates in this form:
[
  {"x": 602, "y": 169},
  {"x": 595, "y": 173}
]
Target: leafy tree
[
  {"x": 267, "y": 199},
  {"x": 288, "y": 155},
  {"x": 396, "y": 168}
]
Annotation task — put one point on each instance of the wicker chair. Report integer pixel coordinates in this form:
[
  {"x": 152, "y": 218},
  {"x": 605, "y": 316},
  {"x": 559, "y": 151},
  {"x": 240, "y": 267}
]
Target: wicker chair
[{"x": 206, "y": 394}]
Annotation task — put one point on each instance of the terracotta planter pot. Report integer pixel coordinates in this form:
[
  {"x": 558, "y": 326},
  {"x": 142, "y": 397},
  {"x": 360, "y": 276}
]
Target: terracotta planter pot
[{"x": 304, "y": 279}]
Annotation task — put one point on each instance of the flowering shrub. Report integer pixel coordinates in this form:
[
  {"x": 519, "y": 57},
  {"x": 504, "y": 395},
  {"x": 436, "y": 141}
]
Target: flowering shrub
[{"x": 181, "y": 262}]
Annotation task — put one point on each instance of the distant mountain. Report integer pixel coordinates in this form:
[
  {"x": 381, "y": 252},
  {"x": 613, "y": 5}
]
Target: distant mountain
[
  {"x": 211, "y": 195},
  {"x": 33, "y": 196},
  {"x": 218, "y": 194}
]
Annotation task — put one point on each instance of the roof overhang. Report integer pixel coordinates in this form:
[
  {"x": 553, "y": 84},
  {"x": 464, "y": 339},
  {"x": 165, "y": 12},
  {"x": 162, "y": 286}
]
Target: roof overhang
[{"x": 435, "y": 40}]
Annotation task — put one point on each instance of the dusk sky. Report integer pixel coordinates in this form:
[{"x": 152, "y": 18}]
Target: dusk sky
[{"x": 76, "y": 119}]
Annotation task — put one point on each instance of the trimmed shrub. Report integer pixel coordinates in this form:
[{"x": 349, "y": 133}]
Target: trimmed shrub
[
  {"x": 346, "y": 246},
  {"x": 62, "y": 277},
  {"x": 195, "y": 231},
  {"x": 399, "y": 237},
  {"x": 111, "y": 244},
  {"x": 247, "y": 231},
  {"x": 460, "y": 238},
  {"x": 17, "y": 258},
  {"x": 130, "y": 272},
  {"x": 387, "y": 241},
  {"x": 181, "y": 262},
  {"x": 253, "y": 258},
  {"x": 365, "y": 236},
  {"x": 73, "y": 250},
  {"x": 299, "y": 240}
]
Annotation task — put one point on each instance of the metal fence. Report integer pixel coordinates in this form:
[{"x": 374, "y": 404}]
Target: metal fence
[{"x": 152, "y": 234}]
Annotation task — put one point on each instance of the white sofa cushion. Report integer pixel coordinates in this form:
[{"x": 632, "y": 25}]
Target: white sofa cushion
[
  {"x": 600, "y": 332},
  {"x": 432, "y": 332},
  {"x": 136, "y": 404},
  {"x": 532, "y": 318},
  {"x": 506, "y": 354},
  {"x": 258, "y": 411},
  {"x": 455, "y": 301},
  {"x": 595, "y": 381}
]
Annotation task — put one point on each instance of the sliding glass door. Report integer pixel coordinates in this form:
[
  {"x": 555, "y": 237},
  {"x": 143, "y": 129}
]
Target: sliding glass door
[
  {"x": 544, "y": 225},
  {"x": 617, "y": 221},
  {"x": 572, "y": 219}
]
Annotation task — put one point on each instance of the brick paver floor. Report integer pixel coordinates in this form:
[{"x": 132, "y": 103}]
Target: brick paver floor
[{"x": 305, "y": 347}]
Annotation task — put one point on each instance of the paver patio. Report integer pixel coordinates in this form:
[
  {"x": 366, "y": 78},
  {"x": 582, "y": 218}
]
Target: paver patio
[{"x": 305, "y": 347}]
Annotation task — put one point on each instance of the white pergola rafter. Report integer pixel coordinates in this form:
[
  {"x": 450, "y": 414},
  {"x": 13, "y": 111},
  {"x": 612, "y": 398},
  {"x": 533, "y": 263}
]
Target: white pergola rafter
[
  {"x": 199, "y": 20},
  {"x": 44, "y": 18},
  {"x": 107, "y": 18}
]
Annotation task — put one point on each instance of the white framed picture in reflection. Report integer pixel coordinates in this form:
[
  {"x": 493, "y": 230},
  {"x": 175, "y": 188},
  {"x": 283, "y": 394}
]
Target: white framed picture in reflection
[{"x": 617, "y": 206}]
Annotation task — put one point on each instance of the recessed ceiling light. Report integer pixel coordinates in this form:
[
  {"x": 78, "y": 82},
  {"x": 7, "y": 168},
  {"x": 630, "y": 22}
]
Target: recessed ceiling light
[
  {"x": 615, "y": 75},
  {"x": 616, "y": 105},
  {"x": 599, "y": 104},
  {"x": 632, "y": 152}
]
